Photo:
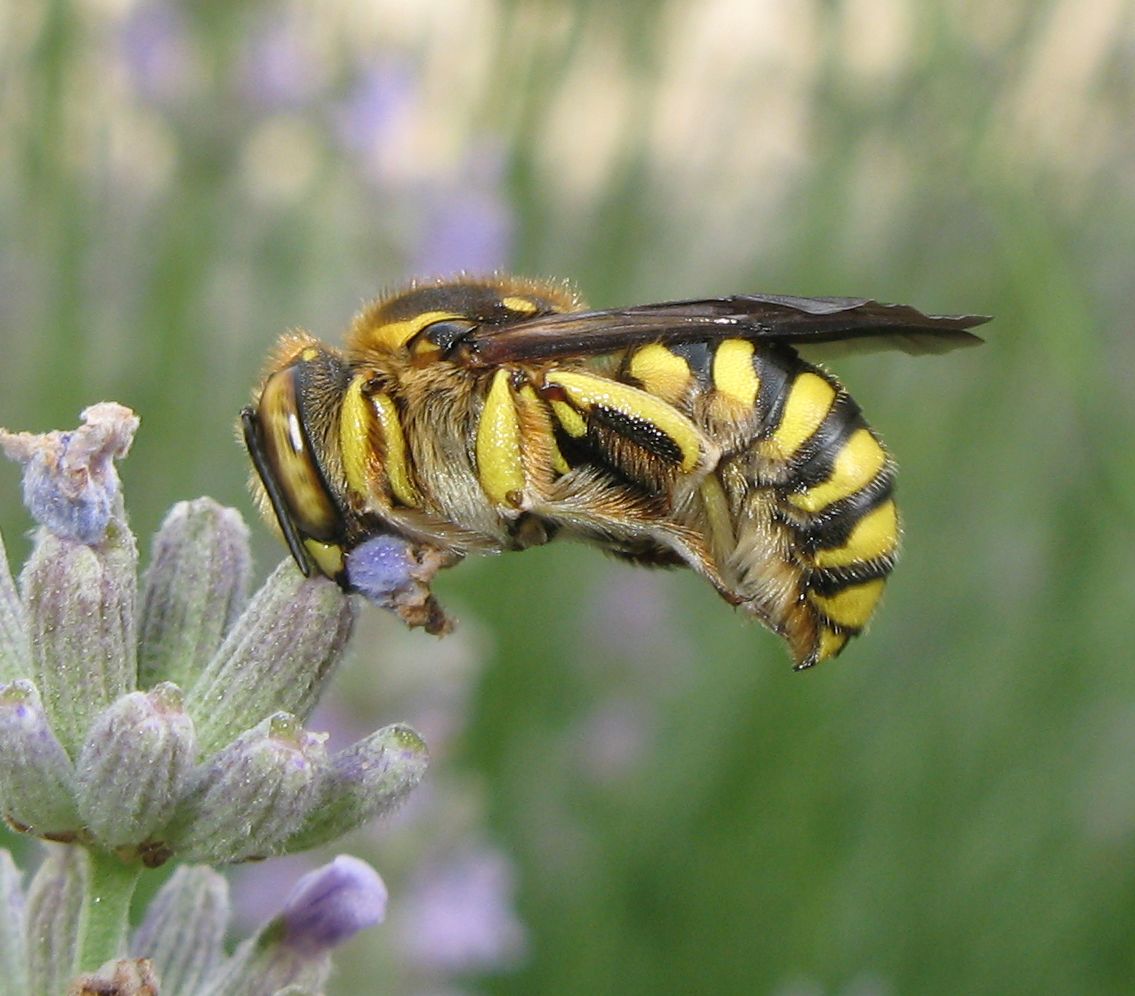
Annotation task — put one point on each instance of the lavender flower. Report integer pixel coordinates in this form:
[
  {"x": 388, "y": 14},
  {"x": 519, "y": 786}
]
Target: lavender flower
[
  {"x": 326, "y": 907},
  {"x": 70, "y": 483},
  {"x": 332, "y": 903},
  {"x": 469, "y": 225},
  {"x": 159, "y": 52},
  {"x": 174, "y": 733}
]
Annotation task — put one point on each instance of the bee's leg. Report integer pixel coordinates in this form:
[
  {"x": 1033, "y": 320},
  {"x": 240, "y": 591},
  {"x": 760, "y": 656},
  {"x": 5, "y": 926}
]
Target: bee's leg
[{"x": 627, "y": 522}]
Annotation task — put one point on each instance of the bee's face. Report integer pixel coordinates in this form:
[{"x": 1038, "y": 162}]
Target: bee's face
[{"x": 493, "y": 415}]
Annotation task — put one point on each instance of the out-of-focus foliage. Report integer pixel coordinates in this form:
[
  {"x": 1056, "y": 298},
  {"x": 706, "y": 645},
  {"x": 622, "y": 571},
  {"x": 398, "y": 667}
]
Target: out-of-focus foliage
[{"x": 949, "y": 807}]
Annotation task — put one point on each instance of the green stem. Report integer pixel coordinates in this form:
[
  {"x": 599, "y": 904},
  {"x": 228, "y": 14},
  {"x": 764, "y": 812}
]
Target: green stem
[{"x": 107, "y": 909}]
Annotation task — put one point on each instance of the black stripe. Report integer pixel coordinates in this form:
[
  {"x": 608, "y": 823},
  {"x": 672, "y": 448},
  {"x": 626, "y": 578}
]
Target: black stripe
[
  {"x": 698, "y": 357},
  {"x": 832, "y": 526},
  {"x": 814, "y": 461},
  {"x": 776, "y": 367},
  {"x": 828, "y": 581}
]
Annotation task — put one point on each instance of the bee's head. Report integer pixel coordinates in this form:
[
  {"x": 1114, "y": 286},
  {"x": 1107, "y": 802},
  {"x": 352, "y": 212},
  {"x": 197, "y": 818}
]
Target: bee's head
[{"x": 291, "y": 432}]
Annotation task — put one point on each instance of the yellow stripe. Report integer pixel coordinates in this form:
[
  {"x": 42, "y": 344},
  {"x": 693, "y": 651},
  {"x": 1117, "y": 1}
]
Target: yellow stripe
[
  {"x": 808, "y": 402},
  {"x": 854, "y": 468},
  {"x": 397, "y": 464},
  {"x": 831, "y": 643},
  {"x": 586, "y": 391},
  {"x": 392, "y": 335},
  {"x": 851, "y": 607},
  {"x": 499, "y": 466},
  {"x": 570, "y": 419},
  {"x": 733, "y": 373},
  {"x": 660, "y": 372},
  {"x": 875, "y": 535},
  {"x": 519, "y": 304}
]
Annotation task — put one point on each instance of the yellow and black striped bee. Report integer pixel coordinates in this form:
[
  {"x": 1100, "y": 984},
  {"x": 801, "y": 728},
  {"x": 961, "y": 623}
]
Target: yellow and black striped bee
[{"x": 489, "y": 415}]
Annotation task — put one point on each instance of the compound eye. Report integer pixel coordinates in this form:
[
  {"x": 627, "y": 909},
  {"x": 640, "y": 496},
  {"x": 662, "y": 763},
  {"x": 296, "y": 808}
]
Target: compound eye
[
  {"x": 284, "y": 443},
  {"x": 441, "y": 336},
  {"x": 291, "y": 460}
]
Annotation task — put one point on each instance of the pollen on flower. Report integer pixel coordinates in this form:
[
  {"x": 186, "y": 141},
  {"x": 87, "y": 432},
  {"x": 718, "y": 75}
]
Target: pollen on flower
[{"x": 394, "y": 573}]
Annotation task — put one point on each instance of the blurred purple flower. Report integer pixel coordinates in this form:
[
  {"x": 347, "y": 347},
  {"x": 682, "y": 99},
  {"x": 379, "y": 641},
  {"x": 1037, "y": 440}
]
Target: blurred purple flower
[
  {"x": 158, "y": 51},
  {"x": 470, "y": 231},
  {"x": 458, "y": 915},
  {"x": 280, "y": 67},
  {"x": 331, "y": 904},
  {"x": 470, "y": 226},
  {"x": 633, "y": 617},
  {"x": 614, "y": 738},
  {"x": 376, "y": 110}
]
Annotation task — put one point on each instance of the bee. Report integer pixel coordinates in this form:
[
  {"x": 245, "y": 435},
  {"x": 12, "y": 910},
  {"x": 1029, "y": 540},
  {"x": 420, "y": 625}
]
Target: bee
[{"x": 484, "y": 415}]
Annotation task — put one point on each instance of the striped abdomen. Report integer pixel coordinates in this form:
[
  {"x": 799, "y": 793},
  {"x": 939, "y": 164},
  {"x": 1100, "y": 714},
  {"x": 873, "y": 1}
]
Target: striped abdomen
[{"x": 798, "y": 510}]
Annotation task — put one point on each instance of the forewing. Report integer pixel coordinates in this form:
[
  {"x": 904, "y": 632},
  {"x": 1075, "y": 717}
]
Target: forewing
[{"x": 795, "y": 320}]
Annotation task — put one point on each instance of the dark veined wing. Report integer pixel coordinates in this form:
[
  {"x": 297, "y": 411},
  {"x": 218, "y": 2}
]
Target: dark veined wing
[{"x": 798, "y": 321}]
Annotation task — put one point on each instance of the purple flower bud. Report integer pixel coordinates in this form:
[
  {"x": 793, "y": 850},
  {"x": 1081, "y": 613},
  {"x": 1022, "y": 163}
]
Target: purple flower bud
[
  {"x": 331, "y": 904},
  {"x": 134, "y": 766},
  {"x": 81, "y": 604},
  {"x": 458, "y": 916},
  {"x": 70, "y": 484},
  {"x": 378, "y": 110},
  {"x": 250, "y": 796},
  {"x": 196, "y": 586},
  {"x": 469, "y": 226},
  {"x": 325, "y": 908},
  {"x": 53, "y": 917},
  {"x": 278, "y": 656},
  {"x": 183, "y": 931},
  {"x": 282, "y": 68},
  {"x": 158, "y": 52},
  {"x": 366, "y": 780},
  {"x": 36, "y": 777}
]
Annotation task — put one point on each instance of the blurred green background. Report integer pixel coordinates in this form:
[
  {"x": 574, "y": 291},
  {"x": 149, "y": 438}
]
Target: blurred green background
[{"x": 632, "y": 792}]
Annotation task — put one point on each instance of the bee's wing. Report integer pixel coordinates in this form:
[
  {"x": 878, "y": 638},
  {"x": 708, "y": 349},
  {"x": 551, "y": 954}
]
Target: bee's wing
[{"x": 799, "y": 321}]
